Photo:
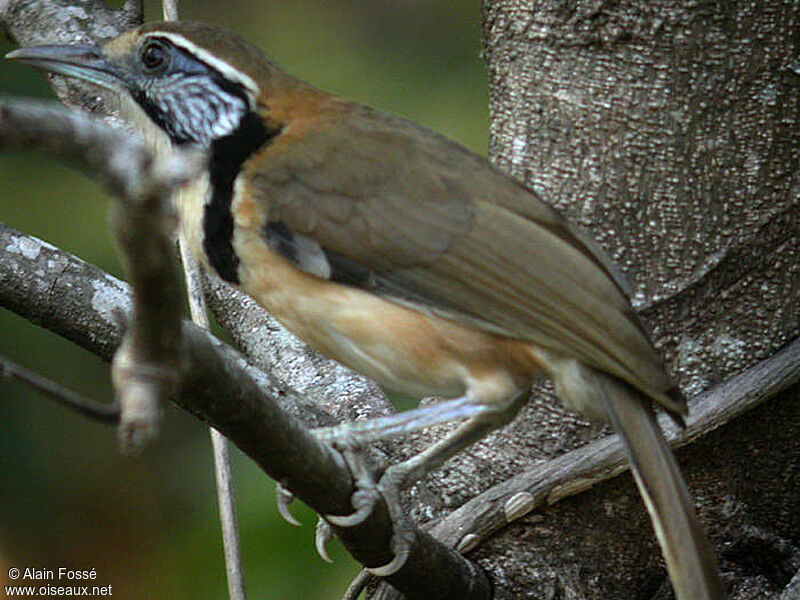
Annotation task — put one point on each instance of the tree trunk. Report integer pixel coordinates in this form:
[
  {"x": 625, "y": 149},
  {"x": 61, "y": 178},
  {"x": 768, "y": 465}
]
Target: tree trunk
[{"x": 670, "y": 132}]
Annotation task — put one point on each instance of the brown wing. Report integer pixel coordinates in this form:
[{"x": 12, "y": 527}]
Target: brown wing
[{"x": 407, "y": 214}]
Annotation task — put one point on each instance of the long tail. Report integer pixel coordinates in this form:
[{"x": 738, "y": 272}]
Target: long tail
[{"x": 691, "y": 562}]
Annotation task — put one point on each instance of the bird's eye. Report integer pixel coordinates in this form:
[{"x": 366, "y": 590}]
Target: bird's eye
[{"x": 154, "y": 56}]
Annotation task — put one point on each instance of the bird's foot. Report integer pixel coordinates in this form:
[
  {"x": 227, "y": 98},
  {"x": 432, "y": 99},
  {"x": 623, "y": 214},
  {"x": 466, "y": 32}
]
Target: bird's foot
[
  {"x": 391, "y": 483},
  {"x": 343, "y": 440},
  {"x": 364, "y": 499},
  {"x": 345, "y": 436}
]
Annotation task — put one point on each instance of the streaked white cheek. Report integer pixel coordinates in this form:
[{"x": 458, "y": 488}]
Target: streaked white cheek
[
  {"x": 195, "y": 109},
  {"x": 207, "y": 115},
  {"x": 228, "y": 122}
]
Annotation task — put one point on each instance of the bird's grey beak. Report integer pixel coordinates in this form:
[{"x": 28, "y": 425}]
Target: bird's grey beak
[{"x": 82, "y": 62}]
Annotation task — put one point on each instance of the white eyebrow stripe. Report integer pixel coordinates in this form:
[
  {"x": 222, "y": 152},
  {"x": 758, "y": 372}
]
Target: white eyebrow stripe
[{"x": 202, "y": 55}]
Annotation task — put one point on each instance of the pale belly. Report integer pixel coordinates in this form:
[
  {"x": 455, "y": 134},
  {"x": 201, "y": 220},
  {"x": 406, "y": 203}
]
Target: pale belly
[{"x": 402, "y": 349}]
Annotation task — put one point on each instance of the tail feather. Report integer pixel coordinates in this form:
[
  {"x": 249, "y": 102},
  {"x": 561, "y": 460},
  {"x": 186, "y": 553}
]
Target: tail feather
[{"x": 691, "y": 562}]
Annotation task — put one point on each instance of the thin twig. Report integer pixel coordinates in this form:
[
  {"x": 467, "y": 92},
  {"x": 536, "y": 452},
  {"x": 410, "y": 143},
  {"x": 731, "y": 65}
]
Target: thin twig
[
  {"x": 222, "y": 462},
  {"x": 228, "y": 517},
  {"x": 170, "y": 9},
  {"x": 104, "y": 413}
]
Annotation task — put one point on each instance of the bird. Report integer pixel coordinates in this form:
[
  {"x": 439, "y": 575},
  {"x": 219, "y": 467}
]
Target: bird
[{"x": 401, "y": 255}]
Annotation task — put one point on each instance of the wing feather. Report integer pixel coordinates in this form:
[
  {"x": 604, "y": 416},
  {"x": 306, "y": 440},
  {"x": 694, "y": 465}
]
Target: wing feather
[{"x": 413, "y": 216}]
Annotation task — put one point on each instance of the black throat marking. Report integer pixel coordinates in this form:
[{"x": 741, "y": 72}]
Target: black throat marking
[{"x": 227, "y": 155}]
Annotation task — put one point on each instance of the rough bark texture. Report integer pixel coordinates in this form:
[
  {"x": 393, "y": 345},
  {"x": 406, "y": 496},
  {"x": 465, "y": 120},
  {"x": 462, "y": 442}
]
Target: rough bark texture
[{"x": 670, "y": 132}]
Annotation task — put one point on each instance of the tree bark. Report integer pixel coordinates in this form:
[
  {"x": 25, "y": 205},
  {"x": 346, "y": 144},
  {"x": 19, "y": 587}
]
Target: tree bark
[{"x": 670, "y": 132}]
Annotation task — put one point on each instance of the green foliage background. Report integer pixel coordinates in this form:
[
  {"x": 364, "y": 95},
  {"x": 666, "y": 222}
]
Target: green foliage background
[{"x": 148, "y": 525}]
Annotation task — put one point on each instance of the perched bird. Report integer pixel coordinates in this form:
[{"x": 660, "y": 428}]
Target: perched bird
[{"x": 401, "y": 255}]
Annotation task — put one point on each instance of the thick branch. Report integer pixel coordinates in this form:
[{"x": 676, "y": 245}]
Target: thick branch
[{"x": 80, "y": 302}]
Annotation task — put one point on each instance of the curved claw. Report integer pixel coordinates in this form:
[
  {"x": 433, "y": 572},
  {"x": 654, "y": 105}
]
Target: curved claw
[
  {"x": 322, "y": 536},
  {"x": 283, "y": 498},
  {"x": 392, "y": 567},
  {"x": 351, "y": 520},
  {"x": 363, "y": 501}
]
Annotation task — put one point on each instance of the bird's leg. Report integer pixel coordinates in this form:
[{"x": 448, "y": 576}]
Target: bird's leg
[
  {"x": 350, "y": 437},
  {"x": 397, "y": 476},
  {"x": 417, "y": 467},
  {"x": 382, "y": 428}
]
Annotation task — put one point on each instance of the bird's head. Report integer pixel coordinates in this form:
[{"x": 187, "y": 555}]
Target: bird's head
[{"x": 195, "y": 82}]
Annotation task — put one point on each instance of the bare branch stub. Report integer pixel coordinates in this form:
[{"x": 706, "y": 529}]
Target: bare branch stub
[
  {"x": 144, "y": 370},
  {"x": 104, "y": 413}
]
